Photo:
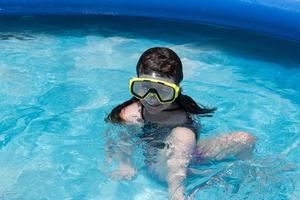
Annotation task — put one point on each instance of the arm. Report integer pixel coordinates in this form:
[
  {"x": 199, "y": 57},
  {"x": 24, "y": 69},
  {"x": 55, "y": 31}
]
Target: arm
[
  {"x": 122, "y": 149},
  {"x": 239, "y": 145},
  {"x": 182, "y": 143}
]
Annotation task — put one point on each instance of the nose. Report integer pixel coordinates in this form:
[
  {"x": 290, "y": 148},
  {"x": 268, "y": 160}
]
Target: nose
[{"x": 152, "y": 99}]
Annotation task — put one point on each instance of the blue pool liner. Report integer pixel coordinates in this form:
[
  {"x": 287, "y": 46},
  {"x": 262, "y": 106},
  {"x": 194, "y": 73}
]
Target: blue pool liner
[{"x": 277, "y": 18}]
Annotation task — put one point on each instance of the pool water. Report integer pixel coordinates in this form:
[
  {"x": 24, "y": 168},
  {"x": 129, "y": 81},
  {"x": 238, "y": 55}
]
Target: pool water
[{"x": 60, "y": 77}]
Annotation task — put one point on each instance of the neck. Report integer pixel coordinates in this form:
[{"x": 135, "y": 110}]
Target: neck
[{"x": 171, "y": 115}]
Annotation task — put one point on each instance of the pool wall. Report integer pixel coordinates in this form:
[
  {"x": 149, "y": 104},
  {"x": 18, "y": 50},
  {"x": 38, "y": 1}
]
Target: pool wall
[{"x": 277, "y": 18}]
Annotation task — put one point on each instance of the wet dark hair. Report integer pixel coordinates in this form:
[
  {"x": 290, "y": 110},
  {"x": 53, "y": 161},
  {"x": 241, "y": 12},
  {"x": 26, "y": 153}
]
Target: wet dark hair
[{"x": 165, "y": 63}]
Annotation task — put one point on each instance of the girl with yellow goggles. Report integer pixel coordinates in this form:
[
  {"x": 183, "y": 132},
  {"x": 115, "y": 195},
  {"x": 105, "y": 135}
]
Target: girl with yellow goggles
[{"x": 169, "y": 130}]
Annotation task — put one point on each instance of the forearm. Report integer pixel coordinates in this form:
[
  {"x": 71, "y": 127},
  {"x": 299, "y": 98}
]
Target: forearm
[
  {"x": 124, "y": 153},
  {"x": 121, "y": 152},
  {"x": 176, "y": 176},
  {"x": 238, "y": 144},
  {"x": 182, "y": 144}
]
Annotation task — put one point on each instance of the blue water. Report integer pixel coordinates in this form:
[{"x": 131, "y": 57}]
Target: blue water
[{"x": 59, "y": 78}]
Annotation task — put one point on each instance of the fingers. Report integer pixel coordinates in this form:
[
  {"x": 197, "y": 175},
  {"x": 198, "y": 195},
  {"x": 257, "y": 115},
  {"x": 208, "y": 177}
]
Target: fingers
[{"x": 126, "y": 173}]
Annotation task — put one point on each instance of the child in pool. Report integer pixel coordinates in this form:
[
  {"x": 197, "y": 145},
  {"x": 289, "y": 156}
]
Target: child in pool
[{"x": 168, "y": 127}]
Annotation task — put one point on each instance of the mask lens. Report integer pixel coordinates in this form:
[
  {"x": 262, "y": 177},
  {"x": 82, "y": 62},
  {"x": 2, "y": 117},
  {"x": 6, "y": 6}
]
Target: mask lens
[
  {"x": 166, "y": 93},
  {"x": 141, "y": 88}
]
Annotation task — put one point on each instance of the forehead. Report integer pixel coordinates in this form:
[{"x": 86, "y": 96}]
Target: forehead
[{"x": 157, "y": 77}]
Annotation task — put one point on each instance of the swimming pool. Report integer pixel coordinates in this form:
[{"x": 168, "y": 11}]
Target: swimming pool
[{"x": 59, "y": 79}]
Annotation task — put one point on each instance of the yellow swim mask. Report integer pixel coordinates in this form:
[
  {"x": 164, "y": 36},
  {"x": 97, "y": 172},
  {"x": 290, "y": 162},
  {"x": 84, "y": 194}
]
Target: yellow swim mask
[{"x": 166, "y": 92}]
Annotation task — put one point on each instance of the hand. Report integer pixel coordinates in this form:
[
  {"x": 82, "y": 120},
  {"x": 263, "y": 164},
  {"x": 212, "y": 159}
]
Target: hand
[
  {"x": 177, "y": 194},
  {"x": 125, "y": 172}
]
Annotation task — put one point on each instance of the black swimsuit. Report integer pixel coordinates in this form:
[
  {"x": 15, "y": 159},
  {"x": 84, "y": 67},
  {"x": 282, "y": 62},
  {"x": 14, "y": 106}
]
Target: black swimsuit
[{"x": 155, "y": 134}]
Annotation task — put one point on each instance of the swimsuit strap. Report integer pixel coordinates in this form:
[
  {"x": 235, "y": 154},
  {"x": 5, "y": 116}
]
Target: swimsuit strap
[{"x": 142, "y": 110}]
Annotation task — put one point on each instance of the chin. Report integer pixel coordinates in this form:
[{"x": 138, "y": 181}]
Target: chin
[{"x": 154, "y": 110}]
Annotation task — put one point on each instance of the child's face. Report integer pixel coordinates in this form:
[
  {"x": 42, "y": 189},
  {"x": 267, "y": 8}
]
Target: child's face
[{"x": 151, "y": 102}]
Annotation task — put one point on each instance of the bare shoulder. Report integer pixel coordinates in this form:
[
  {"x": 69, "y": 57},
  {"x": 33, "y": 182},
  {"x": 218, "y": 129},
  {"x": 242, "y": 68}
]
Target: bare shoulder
[{"x": 132, "y": 113}]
